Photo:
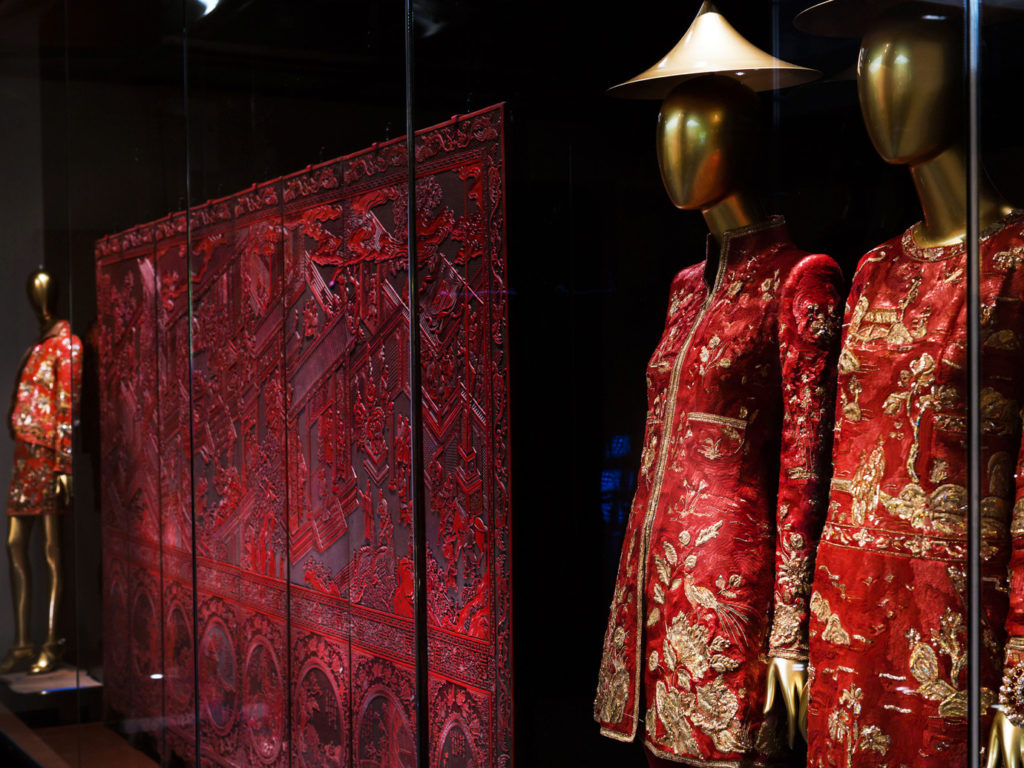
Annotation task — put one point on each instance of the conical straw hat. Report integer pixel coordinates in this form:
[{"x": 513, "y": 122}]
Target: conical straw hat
[{"x": 712, "y": 47}]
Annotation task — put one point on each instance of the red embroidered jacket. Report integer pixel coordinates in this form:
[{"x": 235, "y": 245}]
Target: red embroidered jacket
[
  {"x": 888, "y": 637},
  {"x": 716, "y": 561},
  {"x": 48, "y": 388}
]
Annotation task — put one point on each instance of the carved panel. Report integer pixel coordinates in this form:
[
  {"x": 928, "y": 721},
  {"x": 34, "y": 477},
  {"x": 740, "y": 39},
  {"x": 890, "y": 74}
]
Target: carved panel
[{"x": 287, "y": 457}]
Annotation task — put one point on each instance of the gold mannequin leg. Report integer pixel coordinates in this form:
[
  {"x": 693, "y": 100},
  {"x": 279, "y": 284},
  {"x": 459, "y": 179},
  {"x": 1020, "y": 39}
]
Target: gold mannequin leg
[
  {"x": 18, "y": 532},
  {"x": 53, "y": 648}
]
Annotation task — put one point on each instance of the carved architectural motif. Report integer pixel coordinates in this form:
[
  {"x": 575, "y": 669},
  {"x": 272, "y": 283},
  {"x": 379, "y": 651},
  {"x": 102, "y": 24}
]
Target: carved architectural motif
[{"x": 290, "y": 486}]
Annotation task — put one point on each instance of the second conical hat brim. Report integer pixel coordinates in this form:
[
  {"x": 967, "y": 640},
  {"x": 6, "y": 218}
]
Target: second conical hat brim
[
  {"x": 851, "y": 18},
  {"x": 712, "y": 47}
]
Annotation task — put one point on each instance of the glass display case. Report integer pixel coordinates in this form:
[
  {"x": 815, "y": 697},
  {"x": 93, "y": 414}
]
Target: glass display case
[{"x": 328, "y": 452}]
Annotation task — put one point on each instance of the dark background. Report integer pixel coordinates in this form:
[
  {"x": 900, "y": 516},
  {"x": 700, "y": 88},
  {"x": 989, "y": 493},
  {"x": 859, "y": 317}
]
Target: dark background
[{"x": 117, "y": 112}]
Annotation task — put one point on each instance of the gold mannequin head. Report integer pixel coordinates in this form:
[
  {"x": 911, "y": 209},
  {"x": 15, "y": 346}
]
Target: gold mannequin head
[
  {"x": 707, "y": 139},
  {"x": 910, "y": 82},
  {"x": 41, "y": 295},
  {"x": 707, "y": 147}
]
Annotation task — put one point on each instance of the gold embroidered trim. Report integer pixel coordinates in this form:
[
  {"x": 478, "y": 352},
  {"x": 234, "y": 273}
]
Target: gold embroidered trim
[
  {"x": 897, "y": 544},
  {"x": 618, "y": 736},
  {"x": 782, "y": 653},
  {"x": 942, "y": 252},
  {"x": 1015, "y": 644},
  {"x": 882, "y": 531},
  {"x": 659, "y": 478},
  {"x": 741, "y": 763},
  {"x": 769, "y": 223},
  {"x": 712, "y": 418}
]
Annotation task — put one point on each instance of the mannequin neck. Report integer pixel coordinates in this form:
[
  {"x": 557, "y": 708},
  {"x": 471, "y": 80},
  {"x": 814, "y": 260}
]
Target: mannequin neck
[
  {"x": 47, "y": 323},
  {"x": 941, "y": 184},
  {"x": 740, "y": 209}
]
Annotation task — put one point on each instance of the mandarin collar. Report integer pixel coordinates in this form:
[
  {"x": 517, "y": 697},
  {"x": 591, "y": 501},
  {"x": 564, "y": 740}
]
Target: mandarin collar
[{"x": 749, "y": 238}]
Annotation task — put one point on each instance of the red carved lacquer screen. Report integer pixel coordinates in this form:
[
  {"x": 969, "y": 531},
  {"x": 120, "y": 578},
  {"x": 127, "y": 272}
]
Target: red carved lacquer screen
[{"x": 269, "y": 548}]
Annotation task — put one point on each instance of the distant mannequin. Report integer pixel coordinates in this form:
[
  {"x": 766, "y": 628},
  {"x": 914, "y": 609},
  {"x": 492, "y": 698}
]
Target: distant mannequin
[{"x": 40, "y": 423}]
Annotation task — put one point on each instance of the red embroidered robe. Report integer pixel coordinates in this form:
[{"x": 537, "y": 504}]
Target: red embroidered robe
[
  {"x": 887, "y": 631},
  {"x": 48, "y": 387},
  {"x": 716, "y": 561}
]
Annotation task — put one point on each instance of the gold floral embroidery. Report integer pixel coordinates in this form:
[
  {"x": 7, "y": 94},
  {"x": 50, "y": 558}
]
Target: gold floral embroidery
[
  {"x": 711, "y": 354},
  {"x": 711, "y": 449},
  {"x": 649, "y": 453},
  {"x": 687, "y": 645},
  {"x": 650, "y": 449},
  {"x": 671, "y": 707},
  {"x": 1009, "y": 259},
  {"x": 792, "y": 583},
  {"x": 613, "y": 684},
  {"x": 833, "y": 631},
  {"x": 707, "y": 534},
  {"x": 732, "y": 616},
  {"x": 712, "y": 708},
  {"x": 699, "y": 700},
  {"x": 689, "y": 503},
  {"x": 939, "y": 471},
  {"x": 941, "y": 510},
  {"x": 872, "y": 738},
  {"x": 785, "y": 629},
  {"x": 614, "y": 681},
  {"x": 865, "y": 483},
  {"x": 924, "y": 664},
  {"x": 844, "y": 727}
]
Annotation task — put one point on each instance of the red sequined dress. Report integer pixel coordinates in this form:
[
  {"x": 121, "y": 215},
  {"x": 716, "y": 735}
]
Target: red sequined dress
[
  {"x": 887, "y": 630},
  {"x": 41, "y": 419},
  {"x": 715, "y": 570}
]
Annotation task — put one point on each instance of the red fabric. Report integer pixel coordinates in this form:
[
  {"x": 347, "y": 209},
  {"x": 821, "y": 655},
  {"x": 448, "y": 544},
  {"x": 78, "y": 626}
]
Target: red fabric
[
  {"x": 49, "y": 383},
  {"x": 41, "y": 420},
  {"x": 33, "y": 482},
  {"x": 741, "y": 377},
  {"x": 888, "y": 642}
]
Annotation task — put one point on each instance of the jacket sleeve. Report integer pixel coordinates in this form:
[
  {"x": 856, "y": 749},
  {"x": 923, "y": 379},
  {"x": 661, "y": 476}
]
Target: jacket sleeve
[
  {"x": 810, "y": 318},
  {"x": 66, "y": 391}
]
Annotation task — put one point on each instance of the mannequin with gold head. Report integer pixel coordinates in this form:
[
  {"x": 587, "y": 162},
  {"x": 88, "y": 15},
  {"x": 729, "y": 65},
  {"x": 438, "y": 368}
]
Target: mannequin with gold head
[
  {"x": 701, "y": 437},
  {"x": 907, "y": 330},
  {"x": 40, "y": 422}
]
